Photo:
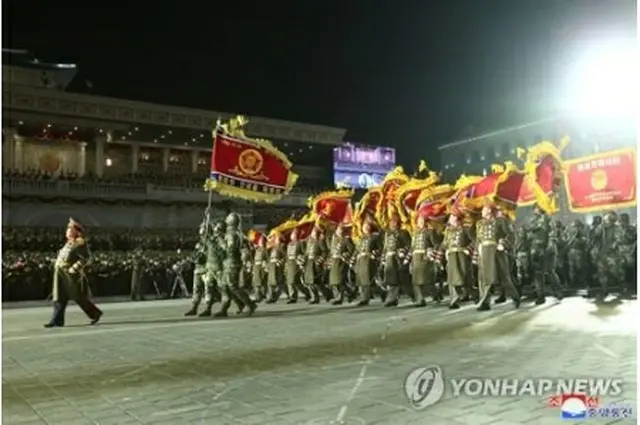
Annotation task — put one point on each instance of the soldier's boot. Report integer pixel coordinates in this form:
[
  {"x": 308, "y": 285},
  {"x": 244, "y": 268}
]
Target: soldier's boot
[
  {"x": 352, "y": 294},
  {"x": 418, "y": 296},
  {"x": 208, "y": 310},
  {"x": 224, "y": 307},
  {"x": 365, "y": 296},
  {"x": 274, "y": 294},
  {"x": 327, "y": 293},
  {"x": 454, "y": 297},
  {"x": 306, "y": 293},
  {"x": 242, "y": 298},
  {"x": 484, "y": 299},
  {"x": 315, "y": 294},
  {"x": 502, "y": 298},
  {"x": 392, "y": 296},
  {"x": 338, "y": 296},
  {"x": 193, "y": 310},
  {"x": 57, "y": 317},
  {"x": 89, "y": 308}
]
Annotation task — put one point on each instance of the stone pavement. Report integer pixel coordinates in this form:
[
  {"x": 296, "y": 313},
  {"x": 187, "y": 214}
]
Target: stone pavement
[{"x": 303, "y": 365}]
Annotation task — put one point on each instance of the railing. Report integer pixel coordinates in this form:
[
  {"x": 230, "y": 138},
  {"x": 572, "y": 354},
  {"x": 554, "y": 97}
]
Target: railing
[{"x": 115, "y": 191}]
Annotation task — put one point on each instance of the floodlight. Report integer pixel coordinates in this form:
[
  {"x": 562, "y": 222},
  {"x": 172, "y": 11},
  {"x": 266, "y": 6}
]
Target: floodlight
[{"x": 604, "y": 82}]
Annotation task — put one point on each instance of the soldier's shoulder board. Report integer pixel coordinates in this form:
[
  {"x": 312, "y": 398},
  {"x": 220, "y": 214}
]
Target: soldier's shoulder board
[{"x": 80, "y": 241}]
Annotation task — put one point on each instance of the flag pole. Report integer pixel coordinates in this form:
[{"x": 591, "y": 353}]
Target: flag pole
[{"x": 207, "y": 212}]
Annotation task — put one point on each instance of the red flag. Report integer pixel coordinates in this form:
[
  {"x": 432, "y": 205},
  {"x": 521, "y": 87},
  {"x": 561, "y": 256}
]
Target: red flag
[
  {"x": 602, "y": 181},
  {"x": 251, "y": 169},
  {"x": 332, "y": 206}
]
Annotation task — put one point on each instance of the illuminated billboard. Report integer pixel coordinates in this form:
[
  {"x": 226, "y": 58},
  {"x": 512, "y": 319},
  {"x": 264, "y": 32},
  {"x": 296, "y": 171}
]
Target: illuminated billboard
[{"x": 361, "y": 167}]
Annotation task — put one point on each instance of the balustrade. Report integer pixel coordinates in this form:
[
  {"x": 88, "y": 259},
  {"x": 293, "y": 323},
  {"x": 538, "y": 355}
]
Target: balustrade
[{"x": 132, "y": 191}]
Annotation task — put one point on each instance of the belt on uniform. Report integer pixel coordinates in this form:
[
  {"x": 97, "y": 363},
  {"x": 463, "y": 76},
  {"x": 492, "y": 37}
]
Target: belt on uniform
[
  {"x": 488, "y": 243},
  {"x": 292, "y": 258},
  {"x": 389, "y": 254},
  {"x": 337, "y": 257},
  {"x": 419, "y": 251},
  {"x": 273, "y": 261},
  {"x": 311, "y": 257},
  {"x": 364, "y": 254},
  {"x": 454, "y": 250}
]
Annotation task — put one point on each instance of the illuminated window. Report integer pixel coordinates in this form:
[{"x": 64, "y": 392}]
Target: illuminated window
[
  {"x": 468, "y": 160},
  {"x": 484, "y": 171},
  {"x": 174, "y": 158},
  {"x": 446, "y": 167},
  {"x": 202, "y": 161},
  {"x": 144, "y": 157},
  {"x": 108, "y": 162}
]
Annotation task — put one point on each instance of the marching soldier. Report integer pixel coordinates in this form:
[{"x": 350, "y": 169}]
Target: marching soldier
[
  {"x": 258, "y": 275},
  {"x": 275, "y": 272},
  {"x": 69, "y": 279},
  {"x": 505, "y": 255},
  {"x": 609, "y": 262},
  {"x": 246, "y": 258},
  {"x": 316, "y": 252},
  {"x": 577, "y": 256},
  {"x": 542, "y": 255},
  {"x": 422, "y": 267},
  {"x": 523, "y": 249},
  {"x": 456, "y": 247},
  {"x": 231, "y": 267},
  {"x": 340, "y": 252},
  {"x": 293, "y": 266},
  {"x": 365, "y": 261},
  {"x": 396, "y": 244},
  {"x": 199, "y": 274},
  {"x": 627, "y": 244},
  {"x": 491, "y": 235}
]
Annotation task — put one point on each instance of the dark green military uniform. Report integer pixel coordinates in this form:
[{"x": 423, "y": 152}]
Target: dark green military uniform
[
  {"x": 490, "y": 232},
  {"x": 558, "y": 245},
  {"x": 365, "y": 262},
  {"x": 246, "y": 258},
  {"x": 627, "y": 242},
  {"x": 208, "y": 257},
  {"x": 315, "y": 257},
  {"x": 231, "y": 268},
  {"x": 70, "y": 281},
  {"x": 577, "y": 240},
  {"x": 293, "y": 269},
  {"x": 609, "y": 263},
  {"x": 258, "y": 274},
  {"x": 543, "y": 256},
  {"x": 396, "y": 245},
  {"x": 340, "y": 254},
  {"x": 456, "y": 247},
  {"x": 275, "y": 272},
  {"x": 523, "y": 250},
  {"x": 506, "y": 254},
  {"x": 425, "y": 245}
]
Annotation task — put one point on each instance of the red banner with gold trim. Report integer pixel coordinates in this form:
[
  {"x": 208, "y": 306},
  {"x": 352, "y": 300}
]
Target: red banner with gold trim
[
  {"x": 602, "y": 181},
  {"x": 251, "y": 169},
  {"x": 332, "y": 206}
]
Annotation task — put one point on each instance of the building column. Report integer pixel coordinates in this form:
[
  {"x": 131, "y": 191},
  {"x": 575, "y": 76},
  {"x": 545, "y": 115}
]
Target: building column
[
  {"x": 135, "y": 155},
  {"x": 165, "y": 159},
  {"x": 99, "y": 152},
  {"x": 194, "y": 161},
  {"x": 18, "y": 153},
  {"x": 8, "y": 149},
  {"x": 82, "y": 159}
]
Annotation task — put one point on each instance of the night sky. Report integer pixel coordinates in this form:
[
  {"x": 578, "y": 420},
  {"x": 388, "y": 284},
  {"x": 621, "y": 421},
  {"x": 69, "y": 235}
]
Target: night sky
[{"x": 408, "y": 74}]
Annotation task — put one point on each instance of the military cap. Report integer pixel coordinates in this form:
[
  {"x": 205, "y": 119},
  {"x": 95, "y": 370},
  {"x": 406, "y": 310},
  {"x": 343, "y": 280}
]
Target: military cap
[{"x": 77, "y": 226}]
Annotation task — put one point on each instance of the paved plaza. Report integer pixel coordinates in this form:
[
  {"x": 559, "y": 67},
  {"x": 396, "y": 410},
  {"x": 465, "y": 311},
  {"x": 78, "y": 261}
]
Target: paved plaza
[{"x": 144, "y": 363}]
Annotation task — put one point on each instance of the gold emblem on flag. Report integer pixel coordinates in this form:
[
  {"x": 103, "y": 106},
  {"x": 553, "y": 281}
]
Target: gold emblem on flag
[
  {"x": 599, "y": 179},
  {"x": 250, "y": 162}
]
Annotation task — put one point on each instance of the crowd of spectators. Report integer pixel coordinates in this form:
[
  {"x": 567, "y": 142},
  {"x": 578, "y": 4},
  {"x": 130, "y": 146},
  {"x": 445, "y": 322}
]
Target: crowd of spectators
[
  {"x": 166, "y": 179},
  {"x": 29, "y": 253}
]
